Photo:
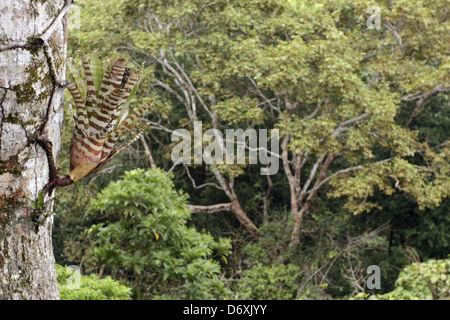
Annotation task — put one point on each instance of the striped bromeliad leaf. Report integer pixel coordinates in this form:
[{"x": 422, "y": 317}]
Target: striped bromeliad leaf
[{"x": 100, "y": 119}]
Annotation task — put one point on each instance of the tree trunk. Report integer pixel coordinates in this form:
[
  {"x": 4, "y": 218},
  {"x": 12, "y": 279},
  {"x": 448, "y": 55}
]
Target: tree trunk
[
  {"x": 236, "y": 206},
  {"x": 32, "y": 64}
]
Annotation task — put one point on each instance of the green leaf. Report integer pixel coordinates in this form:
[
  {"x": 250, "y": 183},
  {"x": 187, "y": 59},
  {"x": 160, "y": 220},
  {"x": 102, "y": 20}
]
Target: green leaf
[
  {"x": 81, "y": 85},
  {"x": 40, "y": 202},
  {"x": 97, "y": 71}
]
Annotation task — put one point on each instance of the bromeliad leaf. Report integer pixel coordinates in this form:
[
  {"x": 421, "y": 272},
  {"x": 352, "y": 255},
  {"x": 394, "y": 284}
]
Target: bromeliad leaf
[
  {"x": 80, "y": 84},
  {"x": 97, "y": 71}
]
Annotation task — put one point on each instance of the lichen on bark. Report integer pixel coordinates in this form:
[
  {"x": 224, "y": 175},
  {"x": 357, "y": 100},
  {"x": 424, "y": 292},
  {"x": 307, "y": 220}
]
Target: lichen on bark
[{"x": 30, "y": 106}]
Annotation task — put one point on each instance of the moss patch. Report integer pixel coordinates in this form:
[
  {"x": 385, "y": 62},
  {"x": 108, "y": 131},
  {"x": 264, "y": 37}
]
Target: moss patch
[
  {"x": 14, "y": 119},
  {"x": 38, "y": 1},
  {"x": 11, "y": 166},
  {"x": 25, "y": 93},
  {"x": 8, "y": 203}
]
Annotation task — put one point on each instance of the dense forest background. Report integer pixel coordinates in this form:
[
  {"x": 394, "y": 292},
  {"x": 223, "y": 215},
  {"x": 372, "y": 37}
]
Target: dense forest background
[{"x": 363, "y": 116}]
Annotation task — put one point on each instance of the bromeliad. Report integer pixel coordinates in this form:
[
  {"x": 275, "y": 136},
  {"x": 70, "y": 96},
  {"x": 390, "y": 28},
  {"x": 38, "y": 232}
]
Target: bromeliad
[{"x": 101, "y": 102}]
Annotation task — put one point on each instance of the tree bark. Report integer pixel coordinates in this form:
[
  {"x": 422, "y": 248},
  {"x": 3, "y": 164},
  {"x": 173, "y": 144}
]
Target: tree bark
[
  {"x": 298, "y": 217},
  {"x": 32, "y": 65},
  {"x": 236, "y": 208},
  {"x": 210, "y": 209}
]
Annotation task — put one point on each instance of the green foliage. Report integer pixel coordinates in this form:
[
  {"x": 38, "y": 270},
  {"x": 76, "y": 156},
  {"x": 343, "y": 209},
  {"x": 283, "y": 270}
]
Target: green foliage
[
  {"x": 330, "y": 261},
  {"x": 305, "y": 68},
  {"x": 89, "y": 287},
  {"x": 429, "y": 280},
  {"x": 273, "y": 282},
  {"x": 145, "y": 235}
]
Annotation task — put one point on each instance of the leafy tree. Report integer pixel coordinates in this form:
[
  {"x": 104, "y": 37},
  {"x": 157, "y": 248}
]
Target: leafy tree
[
  {"x": 272, "y": 282},
  {"x": 89, "y": 287},
  {"x": 313, "y": 70},
  {"x": 427, "y": 280},
  {"x": 146, "y": 237},
  {"x": 362, "y": 114},
  {"x": 335, "y": 253}
]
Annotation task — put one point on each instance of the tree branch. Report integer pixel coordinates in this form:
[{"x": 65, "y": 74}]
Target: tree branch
[
  {"x": 310, "y": 179},
  {"x": 49, "y": 31},
  {"x": 210, "y": 209},
  {"x": 293, "y": 183},
  {"x": 421, "y": 100},
  {"x": 148, "y": 153},
  {"x": 202, "y": 185}
]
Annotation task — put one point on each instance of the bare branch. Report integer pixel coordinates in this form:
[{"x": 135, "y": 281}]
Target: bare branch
[
  {"x": 207, "y": 184},
  {"x": 342, "y": 126},
  {"x": 165, "y": 86},
  {"x": 355, "y": 168},
  {"x": 210, "y": 209},
  {"x": 266, "y": 100},
  {"x": 319, "y": 105},
  {"x": 179, "y": 81},
  {"x": 293, "y": 188},
  {"x": 266, "y": 197},
  {"x": 222, "y": 182},
  {"x": 174, "y": 165},
  {"x": 148, "y": 153},
  {"x": 421, "y": 100},
  {"x": 192, "y": 87},
  {"x": 310, "y": 178},
  {"x": 159, "y": 126},
  {"x": 49, "y": 31},
  {"x": 397, "y": 36}
]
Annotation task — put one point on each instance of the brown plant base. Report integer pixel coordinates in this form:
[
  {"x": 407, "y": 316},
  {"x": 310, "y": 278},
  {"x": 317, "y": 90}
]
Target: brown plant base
[{"x": 55, "y": 180}]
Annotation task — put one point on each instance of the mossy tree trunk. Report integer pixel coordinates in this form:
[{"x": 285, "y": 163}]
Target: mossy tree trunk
[{"x": 32, "y": 66}]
